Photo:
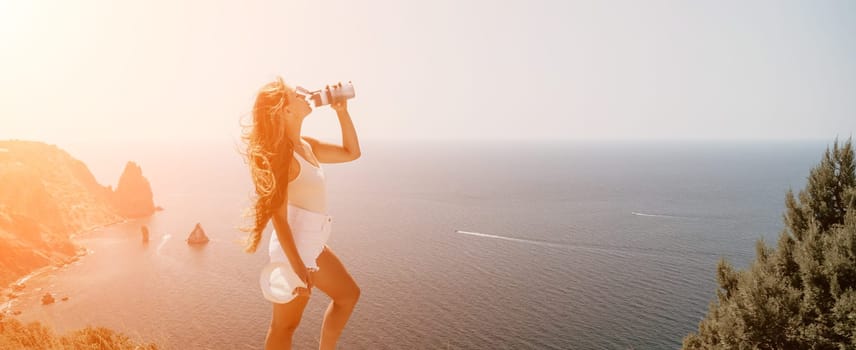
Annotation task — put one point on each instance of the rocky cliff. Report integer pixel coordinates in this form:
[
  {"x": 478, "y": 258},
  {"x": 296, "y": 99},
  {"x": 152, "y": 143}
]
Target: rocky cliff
[{"x": 46, "y": 195}]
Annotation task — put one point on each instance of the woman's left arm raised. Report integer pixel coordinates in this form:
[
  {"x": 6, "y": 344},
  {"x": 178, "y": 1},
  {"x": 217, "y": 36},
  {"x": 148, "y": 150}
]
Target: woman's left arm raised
[{"x": 350, "y": 148}]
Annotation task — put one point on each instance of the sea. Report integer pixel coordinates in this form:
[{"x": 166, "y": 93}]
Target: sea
[{"x": 454, "y": 244}]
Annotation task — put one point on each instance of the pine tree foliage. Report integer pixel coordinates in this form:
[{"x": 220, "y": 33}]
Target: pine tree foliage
[{"x": 802, "y": 293}]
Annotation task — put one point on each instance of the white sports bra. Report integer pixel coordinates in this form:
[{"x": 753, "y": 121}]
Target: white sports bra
[{"x": 308, "y": 189}]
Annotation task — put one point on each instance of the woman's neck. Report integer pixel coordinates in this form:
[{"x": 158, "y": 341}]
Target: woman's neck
[{"x": 293, "y": 135}]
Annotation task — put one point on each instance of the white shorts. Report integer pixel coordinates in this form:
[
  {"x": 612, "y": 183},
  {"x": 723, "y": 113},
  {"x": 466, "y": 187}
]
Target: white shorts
[{"x": 310, "y": 230}]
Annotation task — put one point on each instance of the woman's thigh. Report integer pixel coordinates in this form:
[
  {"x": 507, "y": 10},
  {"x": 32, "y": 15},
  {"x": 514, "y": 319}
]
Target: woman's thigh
[
  {"x": 333, "y": 278},
  {"x": 287, "y": 316}
]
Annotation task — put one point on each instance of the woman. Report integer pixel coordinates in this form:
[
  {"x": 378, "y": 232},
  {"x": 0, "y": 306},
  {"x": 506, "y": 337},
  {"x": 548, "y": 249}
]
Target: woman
[{"x": 290, "y": 189}]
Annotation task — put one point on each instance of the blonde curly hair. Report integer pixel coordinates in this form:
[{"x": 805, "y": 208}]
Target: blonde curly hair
[{"x": 268, "y": 154}]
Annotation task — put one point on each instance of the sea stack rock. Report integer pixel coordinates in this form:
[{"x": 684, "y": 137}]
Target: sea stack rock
[
  {"x": 197, "y": 236},
  {"x": 145, "y": 231},
  {"x": 48, "y": 299},
  {"x": 133, "y": 195}
]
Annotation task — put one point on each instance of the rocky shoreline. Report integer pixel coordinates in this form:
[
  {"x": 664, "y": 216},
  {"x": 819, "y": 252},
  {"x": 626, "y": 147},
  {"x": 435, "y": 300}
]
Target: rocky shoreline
[
  {"x": 12, "y": 288},
  {"x": 47, "y": 199}
]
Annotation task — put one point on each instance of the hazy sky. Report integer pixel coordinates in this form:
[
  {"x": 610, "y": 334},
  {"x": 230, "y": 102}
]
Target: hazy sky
[{"x": 165, "y": 69}]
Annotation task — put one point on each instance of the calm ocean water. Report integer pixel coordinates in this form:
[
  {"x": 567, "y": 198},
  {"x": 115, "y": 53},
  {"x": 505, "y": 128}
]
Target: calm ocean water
[{"x": 455, "y": 245}]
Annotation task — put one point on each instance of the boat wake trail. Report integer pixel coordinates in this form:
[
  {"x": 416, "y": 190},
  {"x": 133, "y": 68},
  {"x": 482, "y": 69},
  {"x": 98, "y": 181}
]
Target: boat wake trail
[
  {"x": 164, "y": 239},
  {"x": 604, "y": 247},
  {"x": 530, "y": 241},
  {"x": 658, "y": 215}
]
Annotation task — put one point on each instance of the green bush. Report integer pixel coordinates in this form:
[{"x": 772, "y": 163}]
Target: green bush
[{"x": 800, "y": 294}]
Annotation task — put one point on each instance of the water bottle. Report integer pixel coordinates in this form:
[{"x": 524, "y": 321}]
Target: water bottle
[{"x": 329, "y": 94}]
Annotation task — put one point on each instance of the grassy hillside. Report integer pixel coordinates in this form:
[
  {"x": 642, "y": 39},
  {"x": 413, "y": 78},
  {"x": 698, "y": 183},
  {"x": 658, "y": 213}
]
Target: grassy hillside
[{"x": 15, "y": 335}]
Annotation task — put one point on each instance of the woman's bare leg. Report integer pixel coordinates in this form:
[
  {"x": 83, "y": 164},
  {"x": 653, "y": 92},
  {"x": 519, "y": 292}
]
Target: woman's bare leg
[
  {"x": 286, "y": 318},
  {"x": 334, "y": 280}
]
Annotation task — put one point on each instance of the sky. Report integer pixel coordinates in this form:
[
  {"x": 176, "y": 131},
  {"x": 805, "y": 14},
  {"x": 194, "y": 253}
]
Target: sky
[{"x": 161, "y": 70}]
